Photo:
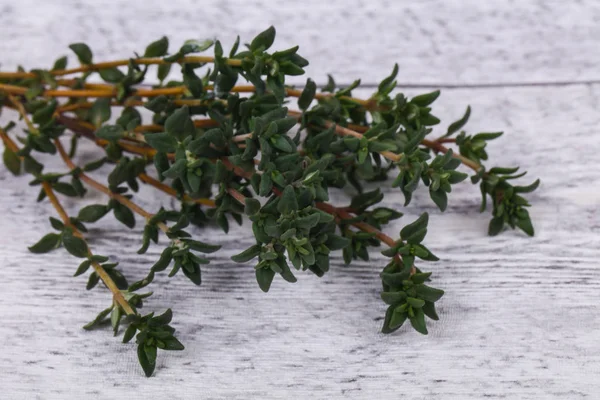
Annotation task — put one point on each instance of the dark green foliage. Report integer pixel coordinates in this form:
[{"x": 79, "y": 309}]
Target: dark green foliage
[
  {"x": 163, "y": 142},
  {"x": 440, "y": 175},
  {"x": 308, "y": 94},
  {"x": 74, "y": 245},
  {"x": 158, "y": 48},
  {"x": 255, "y": 159},
  {"x": 151, "y": 332},
  {"x": 47, "y": 243},
  {"x": 92, "y": 213},
  {"x": 457, "y": 125},
  {"x": 60, "y": 63},
  {"x": 110, "y": 132},
  {"x": 407, "y": 297},
  {"x": 111, "y": 75},
  {"x": 11, "y": 160},
  {"x": 180, "y": 252},
  {"x": 100, "y": 111},
  {"x": 263, "y": 40},
  {"x": 82, "y": 51},
  {"x": 473, "y": 147},
  {"x": 189, "y": 47},
  {"x": 508, "y": 206}
]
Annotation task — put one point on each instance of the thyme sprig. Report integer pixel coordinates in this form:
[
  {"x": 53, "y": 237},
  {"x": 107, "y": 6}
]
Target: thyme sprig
[{"x": 262, "y": 151}]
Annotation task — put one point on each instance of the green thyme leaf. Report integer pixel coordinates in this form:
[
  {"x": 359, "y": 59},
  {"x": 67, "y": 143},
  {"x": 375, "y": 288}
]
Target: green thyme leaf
[
  {"x": 418, "y": 321},
  {"x": 100, "y": 111},
  {"x": 74, "y": 245},
  {"x": 83, "y": 52},
  {"x": 247, "y": 254},
  {"x": 98, "y": 320},
  {"x": 148, "y": 364},
  {"x": 111, "y": 75},
  {"x": 308, "y": 94},
  {"x": 263, "y": 40},
  {"x": 60, "y": 63},
  {"x": 288, "y": 202},
  {"x": 11, "y": 160},
  {"x": 226, "y": 148},
  {"x": 425, "y": 99},
  {"x": 415, "y": 228},
  {"x": 264, "y": 277},
  {"x": 158, "y": 48},
  {"x": 457, "y": 125},
  {"x": 92, "y": 213},
  {"x": 162, "y": 142},
  {"x": 45, "y": 244},
  {"x": 110, "y": 132},
  {"x": 428, "y": 293},
  {"x": 124, "y": 215}
]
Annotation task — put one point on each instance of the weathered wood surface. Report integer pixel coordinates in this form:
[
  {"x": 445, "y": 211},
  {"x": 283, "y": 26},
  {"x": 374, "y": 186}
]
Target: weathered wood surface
[
  {"x": 520, "y": 319},
  {"x": 453, "y": 42}
]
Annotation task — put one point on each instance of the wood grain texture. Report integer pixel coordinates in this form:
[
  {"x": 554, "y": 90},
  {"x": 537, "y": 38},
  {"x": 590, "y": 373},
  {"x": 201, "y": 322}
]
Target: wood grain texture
[
  {"x": 520, "y": 319},
  {"x": 464, "y": 42}
]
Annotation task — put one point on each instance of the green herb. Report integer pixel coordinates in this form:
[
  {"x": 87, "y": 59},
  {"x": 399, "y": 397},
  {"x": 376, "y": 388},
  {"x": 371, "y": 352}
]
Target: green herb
[{"x": 265, "y": 152}]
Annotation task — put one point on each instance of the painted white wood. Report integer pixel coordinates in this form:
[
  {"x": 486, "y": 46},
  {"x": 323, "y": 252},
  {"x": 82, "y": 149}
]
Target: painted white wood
[
  {"x": 520, "y": 318},
  {"x": 464, "y": 42}
]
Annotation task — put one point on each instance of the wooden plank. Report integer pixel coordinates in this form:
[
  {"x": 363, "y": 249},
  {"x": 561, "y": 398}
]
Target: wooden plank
[
  {"x": 519, "y": 320},
  {"x": 435, "y": 42},
  {"x": 520, "y": 316}
]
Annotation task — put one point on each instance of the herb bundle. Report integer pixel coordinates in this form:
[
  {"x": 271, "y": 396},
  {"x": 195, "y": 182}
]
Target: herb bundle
[{"x": 262, "y": 149}]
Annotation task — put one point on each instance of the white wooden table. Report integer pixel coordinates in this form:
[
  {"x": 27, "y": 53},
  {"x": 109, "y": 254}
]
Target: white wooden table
[{"x": 520, "y": 319}]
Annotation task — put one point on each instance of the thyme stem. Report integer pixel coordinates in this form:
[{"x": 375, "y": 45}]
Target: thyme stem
[
  {"x": 110, "y": 284},
  {"x": 120, "y": 63},
  {"x": 437, "y": 146},
  {"x": 19, "y": 106}
]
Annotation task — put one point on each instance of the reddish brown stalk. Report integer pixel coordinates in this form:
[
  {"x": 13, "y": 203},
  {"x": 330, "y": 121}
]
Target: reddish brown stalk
[
  {"x": 353, "y": 131},
  {"x": 342, "y": 214},
  {"x": 338, "y": 212},
  {"x": 438, "y": 147},
  {"x": 77, "y": 127},
  {"x": 236, "y": 170},
  {"x": 330, "y": 209},
  {"x": 199, "y": 123},
  {"x": 340, "y": 130},
  {"x": 237, "y": 195},
  {"x": 445, "y": 140},
  {"x": 100, "y": 187},
  {"x": 435, "y": 145},
  {"x": 172, "y": 192}
]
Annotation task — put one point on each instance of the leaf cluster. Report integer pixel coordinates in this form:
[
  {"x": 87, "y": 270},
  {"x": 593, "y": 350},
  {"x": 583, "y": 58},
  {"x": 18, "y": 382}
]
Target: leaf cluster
[{"x": 264, "y": 152}]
